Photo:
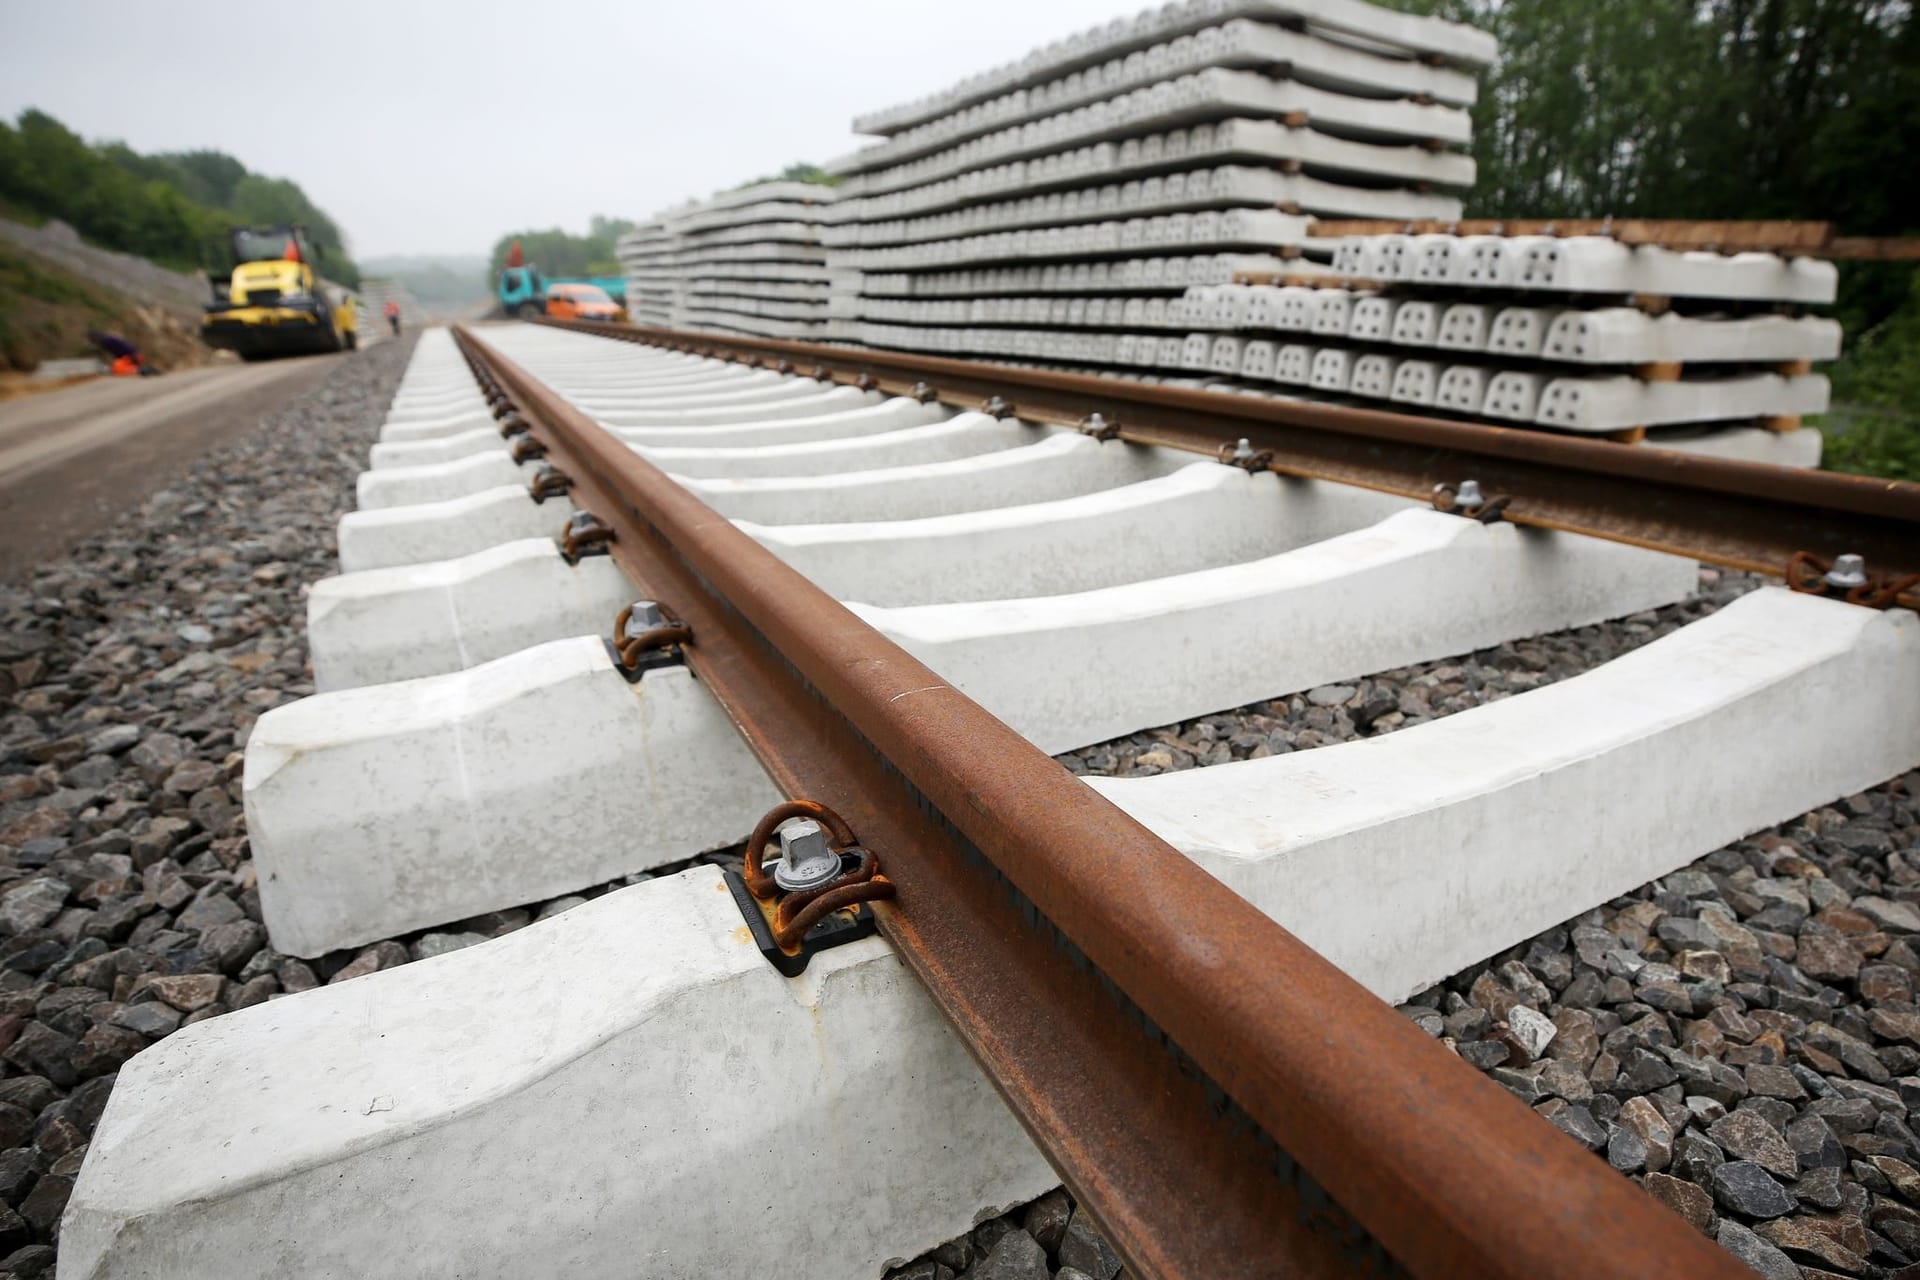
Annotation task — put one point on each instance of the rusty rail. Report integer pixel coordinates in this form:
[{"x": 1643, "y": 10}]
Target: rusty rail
[
  {"x": 1749, "y": 516},
  {"x": 1223, "y": 1100}
]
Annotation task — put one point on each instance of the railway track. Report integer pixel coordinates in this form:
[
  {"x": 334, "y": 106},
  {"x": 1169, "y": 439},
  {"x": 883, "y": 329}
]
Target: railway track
[{"x": 548, "y": 665}]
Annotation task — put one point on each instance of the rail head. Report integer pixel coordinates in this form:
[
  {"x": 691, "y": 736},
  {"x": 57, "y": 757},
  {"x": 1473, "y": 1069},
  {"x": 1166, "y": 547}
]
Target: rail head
[
  {"x": 1223, "y": 1099},
  {"x": 1750, "y": 516}
]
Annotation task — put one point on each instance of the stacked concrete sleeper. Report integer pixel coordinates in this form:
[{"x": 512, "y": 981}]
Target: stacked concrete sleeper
[{"x": 747, "y": 261}]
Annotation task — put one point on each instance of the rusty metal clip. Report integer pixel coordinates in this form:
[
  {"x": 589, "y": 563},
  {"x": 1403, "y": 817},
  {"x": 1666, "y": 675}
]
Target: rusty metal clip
[
  {"x": 525, "y": 447},
  {"x": 821, "y": 373},
  {"x": 499, "y": 405},
  {"x": 785, "y": 366},
  {"x": 867, "y": 382},
  {"x": 1468, "y": 501},
  {"x": 923, "y": 393},
  {"x": 646, "y": 638},
  {"x": 818, "y": 892},
  {"x": 513, "y": 424},
  {"x": 549, "y": 482},
  {"x": 1847, "y": 578},
  {"x": 585, "y": 535},
  {"x": 996, "y": 407},
  {"x": 1242, "y": 454},
  {"x": 1099, "y": 428}
]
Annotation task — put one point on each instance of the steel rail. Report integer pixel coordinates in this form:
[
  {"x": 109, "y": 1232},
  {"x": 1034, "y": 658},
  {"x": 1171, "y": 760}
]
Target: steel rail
[
  {"x": 1749, "y": 516},
  {"x": 1224, "y": 1101}
]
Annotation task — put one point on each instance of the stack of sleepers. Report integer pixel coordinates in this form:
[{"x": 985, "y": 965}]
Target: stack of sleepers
[
  {"x": 748, "y": 261},
  {"x": 1581, "y": 334},
  {"x": 1048, "y": 210}
]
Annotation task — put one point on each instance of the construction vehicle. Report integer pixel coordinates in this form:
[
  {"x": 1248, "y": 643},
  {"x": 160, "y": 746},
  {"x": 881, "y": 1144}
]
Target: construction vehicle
[
  {"x": 276, "y": 303},
  {"x": 524, "y": 293}
]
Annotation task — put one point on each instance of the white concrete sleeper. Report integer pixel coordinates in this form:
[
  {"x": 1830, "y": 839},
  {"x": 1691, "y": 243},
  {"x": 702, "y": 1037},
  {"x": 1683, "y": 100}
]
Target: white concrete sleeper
[
  {"x": 381, "y": 625},
  {"x": 1407, "y": 857},
  {"x": 586, "y": 1097},
  {"x": 1067, "y": 671},
  {"x": 382, "y": 810}
]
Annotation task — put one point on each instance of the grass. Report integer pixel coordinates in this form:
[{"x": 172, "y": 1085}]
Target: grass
[
  {"x": 43, "y": 309},
  {"x": 1874, "y": 428}
]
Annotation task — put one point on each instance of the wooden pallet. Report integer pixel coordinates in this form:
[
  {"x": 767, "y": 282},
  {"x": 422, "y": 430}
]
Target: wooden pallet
[{"x": 1286, "y": 279}]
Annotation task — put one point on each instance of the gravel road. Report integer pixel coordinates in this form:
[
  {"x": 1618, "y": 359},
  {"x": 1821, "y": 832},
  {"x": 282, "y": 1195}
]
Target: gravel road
[{"x": 79, "y": 458}]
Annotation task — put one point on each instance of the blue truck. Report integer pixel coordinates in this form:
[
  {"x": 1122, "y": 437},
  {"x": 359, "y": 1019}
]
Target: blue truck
[{"x": 522, "y": 291}]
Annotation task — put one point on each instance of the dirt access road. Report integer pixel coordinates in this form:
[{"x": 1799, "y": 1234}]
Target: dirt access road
[{"x": 74, "y": 459}]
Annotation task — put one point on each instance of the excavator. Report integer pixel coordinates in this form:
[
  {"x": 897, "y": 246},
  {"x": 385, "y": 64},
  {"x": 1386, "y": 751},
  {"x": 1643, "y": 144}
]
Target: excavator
[{"x": 276, "y": 303}]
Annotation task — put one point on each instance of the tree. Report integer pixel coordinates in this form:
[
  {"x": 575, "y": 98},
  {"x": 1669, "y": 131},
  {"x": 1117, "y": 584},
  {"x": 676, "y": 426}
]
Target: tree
[
  {"x": 560, "y": 253},
  {"x": 1716, "y": 109},
  {"x": 208, "y": 177},
  {"x": 172, "y": 208}
]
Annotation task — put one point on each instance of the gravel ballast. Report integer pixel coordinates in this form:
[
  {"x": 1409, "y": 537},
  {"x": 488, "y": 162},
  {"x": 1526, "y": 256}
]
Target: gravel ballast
[
  {"x": 1741, "y": 1037},
  {"x": 131, "y": 670}
]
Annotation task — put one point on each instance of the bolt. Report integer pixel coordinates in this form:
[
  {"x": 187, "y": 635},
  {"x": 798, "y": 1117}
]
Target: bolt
[
  {"x": 643, "y": 616},
  {"x": 581, "y": 521},
  {"x": 805, "y": 860},
  {"x": 1243, "y": 450},
  {"x": 1848, "y": 572},
  {"x": 1469, "y": 494}
]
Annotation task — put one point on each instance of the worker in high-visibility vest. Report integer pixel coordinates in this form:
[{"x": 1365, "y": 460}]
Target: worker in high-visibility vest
[
  {"x": 393, "y": 316},
  {"x": 123, "y": 357}
]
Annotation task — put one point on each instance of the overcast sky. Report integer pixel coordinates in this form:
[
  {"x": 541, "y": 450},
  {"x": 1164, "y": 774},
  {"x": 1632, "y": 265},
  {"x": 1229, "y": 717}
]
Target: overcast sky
[{"x": 425, "y": 126}]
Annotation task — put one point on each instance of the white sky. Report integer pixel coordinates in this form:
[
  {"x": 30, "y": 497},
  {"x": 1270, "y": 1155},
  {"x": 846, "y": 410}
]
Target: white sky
[{"x": 426, "y": 126}]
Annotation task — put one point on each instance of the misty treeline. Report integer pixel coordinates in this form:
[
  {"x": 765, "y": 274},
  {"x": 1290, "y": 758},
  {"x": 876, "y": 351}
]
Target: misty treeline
[
  {"x": 173, "y": 208},
  {"x": 1723, "y": 109},
  {"x": 449, "y": 280},
  {"x": 561, "y": 253}
]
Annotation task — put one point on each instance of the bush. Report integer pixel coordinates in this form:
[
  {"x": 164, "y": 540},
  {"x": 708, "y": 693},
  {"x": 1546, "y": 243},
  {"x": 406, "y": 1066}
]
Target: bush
[{"x": 1874, "y": 428}]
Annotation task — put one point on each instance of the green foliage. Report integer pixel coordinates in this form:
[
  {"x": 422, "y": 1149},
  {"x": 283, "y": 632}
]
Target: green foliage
[
  {"x": 1875, "y": 426},
  {"x": 22, "y": 275},
  {"x": 1872, "y": 445},
  {"x": 208, "y": 177},
  {"x": 29, "y": 291},
  {"x": 172, "y": 208},
  {"x": 560, "y": 253},
  {"x": 799, "y": 172},
  {"x": 1720, "y": 109}
]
